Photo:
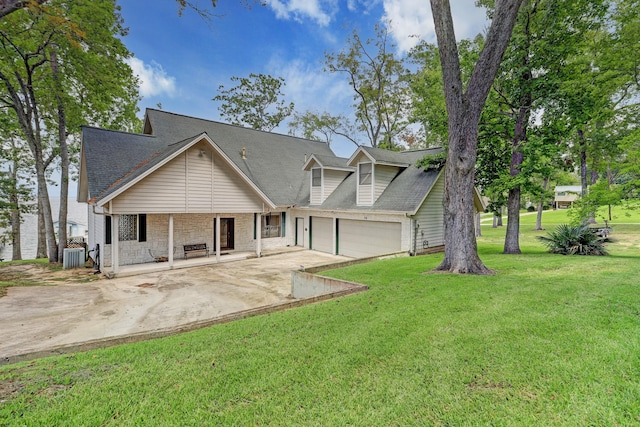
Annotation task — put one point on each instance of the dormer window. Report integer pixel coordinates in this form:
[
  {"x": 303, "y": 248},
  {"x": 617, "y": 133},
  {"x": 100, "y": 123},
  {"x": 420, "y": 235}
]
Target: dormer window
[
  {"x": 316, "y": 177},
  {"x": 365, "y": 173}
]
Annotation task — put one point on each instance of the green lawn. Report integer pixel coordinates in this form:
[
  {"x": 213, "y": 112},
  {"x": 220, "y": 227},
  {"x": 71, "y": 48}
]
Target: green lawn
[{"x": 547, "y": 340}]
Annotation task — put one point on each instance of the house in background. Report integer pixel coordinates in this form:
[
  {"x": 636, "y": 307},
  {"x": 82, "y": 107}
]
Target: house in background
[
  {"x": 190, "y": 183},
  {"x": 76, "y": 227},
  {"x": 565, "y": 195}
]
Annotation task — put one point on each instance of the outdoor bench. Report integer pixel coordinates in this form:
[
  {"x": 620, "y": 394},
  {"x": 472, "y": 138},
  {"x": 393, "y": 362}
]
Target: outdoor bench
[{"x": 200, "y": 248}]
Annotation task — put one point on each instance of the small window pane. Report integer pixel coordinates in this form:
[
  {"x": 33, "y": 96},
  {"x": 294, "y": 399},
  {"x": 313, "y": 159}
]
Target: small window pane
[
  {"x": 365, "y": 173},
  {"x": 271, "y": 225},
  {"x": 316, "y": 177},
  {"x": 128, "y": 228}
]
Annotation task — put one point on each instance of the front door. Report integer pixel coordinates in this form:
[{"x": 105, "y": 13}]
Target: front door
[{"x": 226, "y": 233}]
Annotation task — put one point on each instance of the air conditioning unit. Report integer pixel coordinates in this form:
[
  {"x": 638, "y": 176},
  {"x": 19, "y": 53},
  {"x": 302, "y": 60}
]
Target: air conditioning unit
[{"x": 73, "y": 258}]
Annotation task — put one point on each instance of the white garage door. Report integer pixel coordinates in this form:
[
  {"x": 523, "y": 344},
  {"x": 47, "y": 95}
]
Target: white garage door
[
  {"x": 322, "y": 234},
  {"x": 360, "y": 239}
]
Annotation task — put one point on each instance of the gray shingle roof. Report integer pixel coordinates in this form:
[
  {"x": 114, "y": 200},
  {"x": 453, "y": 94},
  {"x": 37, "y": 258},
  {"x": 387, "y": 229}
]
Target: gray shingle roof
[
  {"x": 405, "y": 192},
  {"x": 332, "y": 162},
  {"x": 398, "y": 158},
  {"x": 273, "y": 162}
]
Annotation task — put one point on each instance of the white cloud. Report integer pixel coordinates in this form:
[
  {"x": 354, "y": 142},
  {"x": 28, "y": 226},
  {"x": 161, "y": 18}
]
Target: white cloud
[
  {"x": 310, "y": 88},
  {"x": 153, "y": 78},
  {"x": 320, "y": 11},
  {"x": 411, "y": 20}
]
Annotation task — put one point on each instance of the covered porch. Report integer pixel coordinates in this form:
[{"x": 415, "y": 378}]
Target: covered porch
[
  {"x": 141, "y": 242},
  {"x": 154, "y": 267}
]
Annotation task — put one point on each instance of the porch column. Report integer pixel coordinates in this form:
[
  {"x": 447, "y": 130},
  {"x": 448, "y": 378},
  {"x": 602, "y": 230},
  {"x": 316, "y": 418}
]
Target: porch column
[
  {"x": 258, "y": 234},
  {"x": 115, "y": 243},
  {"x": 217, "y": 238},
  {"x": 170, "y": 241}
]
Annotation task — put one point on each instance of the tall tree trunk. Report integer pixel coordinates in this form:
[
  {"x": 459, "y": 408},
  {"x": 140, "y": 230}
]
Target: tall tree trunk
[
  {"x": 582, "y": 143},
  {"x": 464, "y": 109},
  {"x": 64, "y": 160},
  {"x": 500, "y": 212},
  {"x": 14, "y": 202},
  {"x": 545, "y": 184},
  {"x": 26, "y": 109},
  {"x": 512, "y": 236},
  {"x": 41, "y": 250},
  {"x": 584, "y": 182},
  {"x": 45, "y": 205}
]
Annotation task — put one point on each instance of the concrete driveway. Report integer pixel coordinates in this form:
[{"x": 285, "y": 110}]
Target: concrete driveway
[{"x": 38, "y": 320}]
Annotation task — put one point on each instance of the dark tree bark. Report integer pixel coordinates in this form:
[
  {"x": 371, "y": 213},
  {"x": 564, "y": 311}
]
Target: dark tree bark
[
  {"x": 10, "y": 6},
  {"x": 14, "y": 201},
  {"x": 41, "y": 250},
  {"x": 64, "y": 159},
  {"x": 464, "y": 109},
  {"x": 512, "y": 240}
]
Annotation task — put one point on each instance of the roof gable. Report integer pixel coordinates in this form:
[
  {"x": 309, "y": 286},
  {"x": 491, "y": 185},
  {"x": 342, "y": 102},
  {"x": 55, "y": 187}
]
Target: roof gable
[
  {"x": 145, "y": 169},
  {"x": 271, "y": 163}
]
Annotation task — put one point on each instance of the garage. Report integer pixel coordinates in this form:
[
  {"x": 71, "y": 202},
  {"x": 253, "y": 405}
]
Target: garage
[
  {"x": 321, "y": 238},
  {"x": 361, "y": 239}
]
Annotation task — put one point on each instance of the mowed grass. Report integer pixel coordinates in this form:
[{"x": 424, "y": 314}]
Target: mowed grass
[{"x": 547, "y": 340}]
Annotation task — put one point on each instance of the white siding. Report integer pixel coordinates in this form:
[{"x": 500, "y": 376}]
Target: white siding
[
  {"x": 360, "y": 239},
  {"x": 162, "y": 192},
  {"x": 316, "y": 191},
  {"x": 430, "y": 218},
  {"x": 365, "y": 195},
  {"x": 199, "y": 179},
  {"x": 96, "y": 234},
  {"x": 382, "y": 175},
  {"x": 230, "y": 192},
  {"x": 190, "y": 183},
  {"x": 322, "y": 234},
  {"x": 330, "y": 180}
]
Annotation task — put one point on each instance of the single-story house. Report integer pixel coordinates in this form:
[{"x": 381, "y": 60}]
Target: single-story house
[
  {"x": 565, "y": 195},
  {"x": 187, "y": 181}
]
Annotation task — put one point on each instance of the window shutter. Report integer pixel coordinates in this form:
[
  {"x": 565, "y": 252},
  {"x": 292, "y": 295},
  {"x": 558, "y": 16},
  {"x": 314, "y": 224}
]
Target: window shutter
[
  {"x": 255, "y": 226},
  {"x": 142, "y": 227},
  {"x": 107, "y": 230}
]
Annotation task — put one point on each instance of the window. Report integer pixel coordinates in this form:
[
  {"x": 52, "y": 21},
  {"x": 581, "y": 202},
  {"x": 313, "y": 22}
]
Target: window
[
  {"x": 365, "y": 173},
  {"x": 130, "y": 227},
  {"x": 273, "y": 225},
  {"x": 316, "y": 177}
]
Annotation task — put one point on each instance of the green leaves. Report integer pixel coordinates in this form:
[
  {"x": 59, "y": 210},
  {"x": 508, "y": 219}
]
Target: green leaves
[
  {"x": 380, "y": 86},
  {"x": 254, "y": 102},
  {"x": 574, "y": 240}
]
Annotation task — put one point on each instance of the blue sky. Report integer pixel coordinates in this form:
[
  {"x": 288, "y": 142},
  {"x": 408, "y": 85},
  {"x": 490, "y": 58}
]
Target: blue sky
[{"x": 181, "y": 61}]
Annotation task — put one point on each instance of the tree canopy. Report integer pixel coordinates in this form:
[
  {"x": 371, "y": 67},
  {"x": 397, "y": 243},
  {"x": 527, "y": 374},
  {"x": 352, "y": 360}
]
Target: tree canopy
[{"x": 255, "y": 102}]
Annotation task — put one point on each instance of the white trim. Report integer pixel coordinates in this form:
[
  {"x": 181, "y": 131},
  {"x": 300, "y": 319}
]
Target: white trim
[
  {"x": 316, "y": 160},
  {"x": 167, "y": 159},
  {"x": 356, "y": 153}
]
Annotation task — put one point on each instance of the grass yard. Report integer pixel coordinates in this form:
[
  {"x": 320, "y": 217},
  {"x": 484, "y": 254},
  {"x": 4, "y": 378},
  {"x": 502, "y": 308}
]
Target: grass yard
[{"x": 547, "y": 340}]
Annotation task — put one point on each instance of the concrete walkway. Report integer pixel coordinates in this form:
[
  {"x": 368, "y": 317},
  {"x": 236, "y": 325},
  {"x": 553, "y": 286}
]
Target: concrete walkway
[{"x": 42, "y": 319}]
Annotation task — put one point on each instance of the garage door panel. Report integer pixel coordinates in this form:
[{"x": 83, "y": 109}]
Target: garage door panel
[
  {"x": 360, "y": 239},
  {"x": 322, "y": 234}
]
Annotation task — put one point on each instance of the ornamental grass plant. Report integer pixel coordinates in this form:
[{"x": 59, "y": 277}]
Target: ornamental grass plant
[{"x": 568, "y": 239}]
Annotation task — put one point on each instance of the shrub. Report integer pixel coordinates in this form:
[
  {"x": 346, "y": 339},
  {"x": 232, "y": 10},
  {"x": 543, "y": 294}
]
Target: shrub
[{"x": 574, "y": 240}]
